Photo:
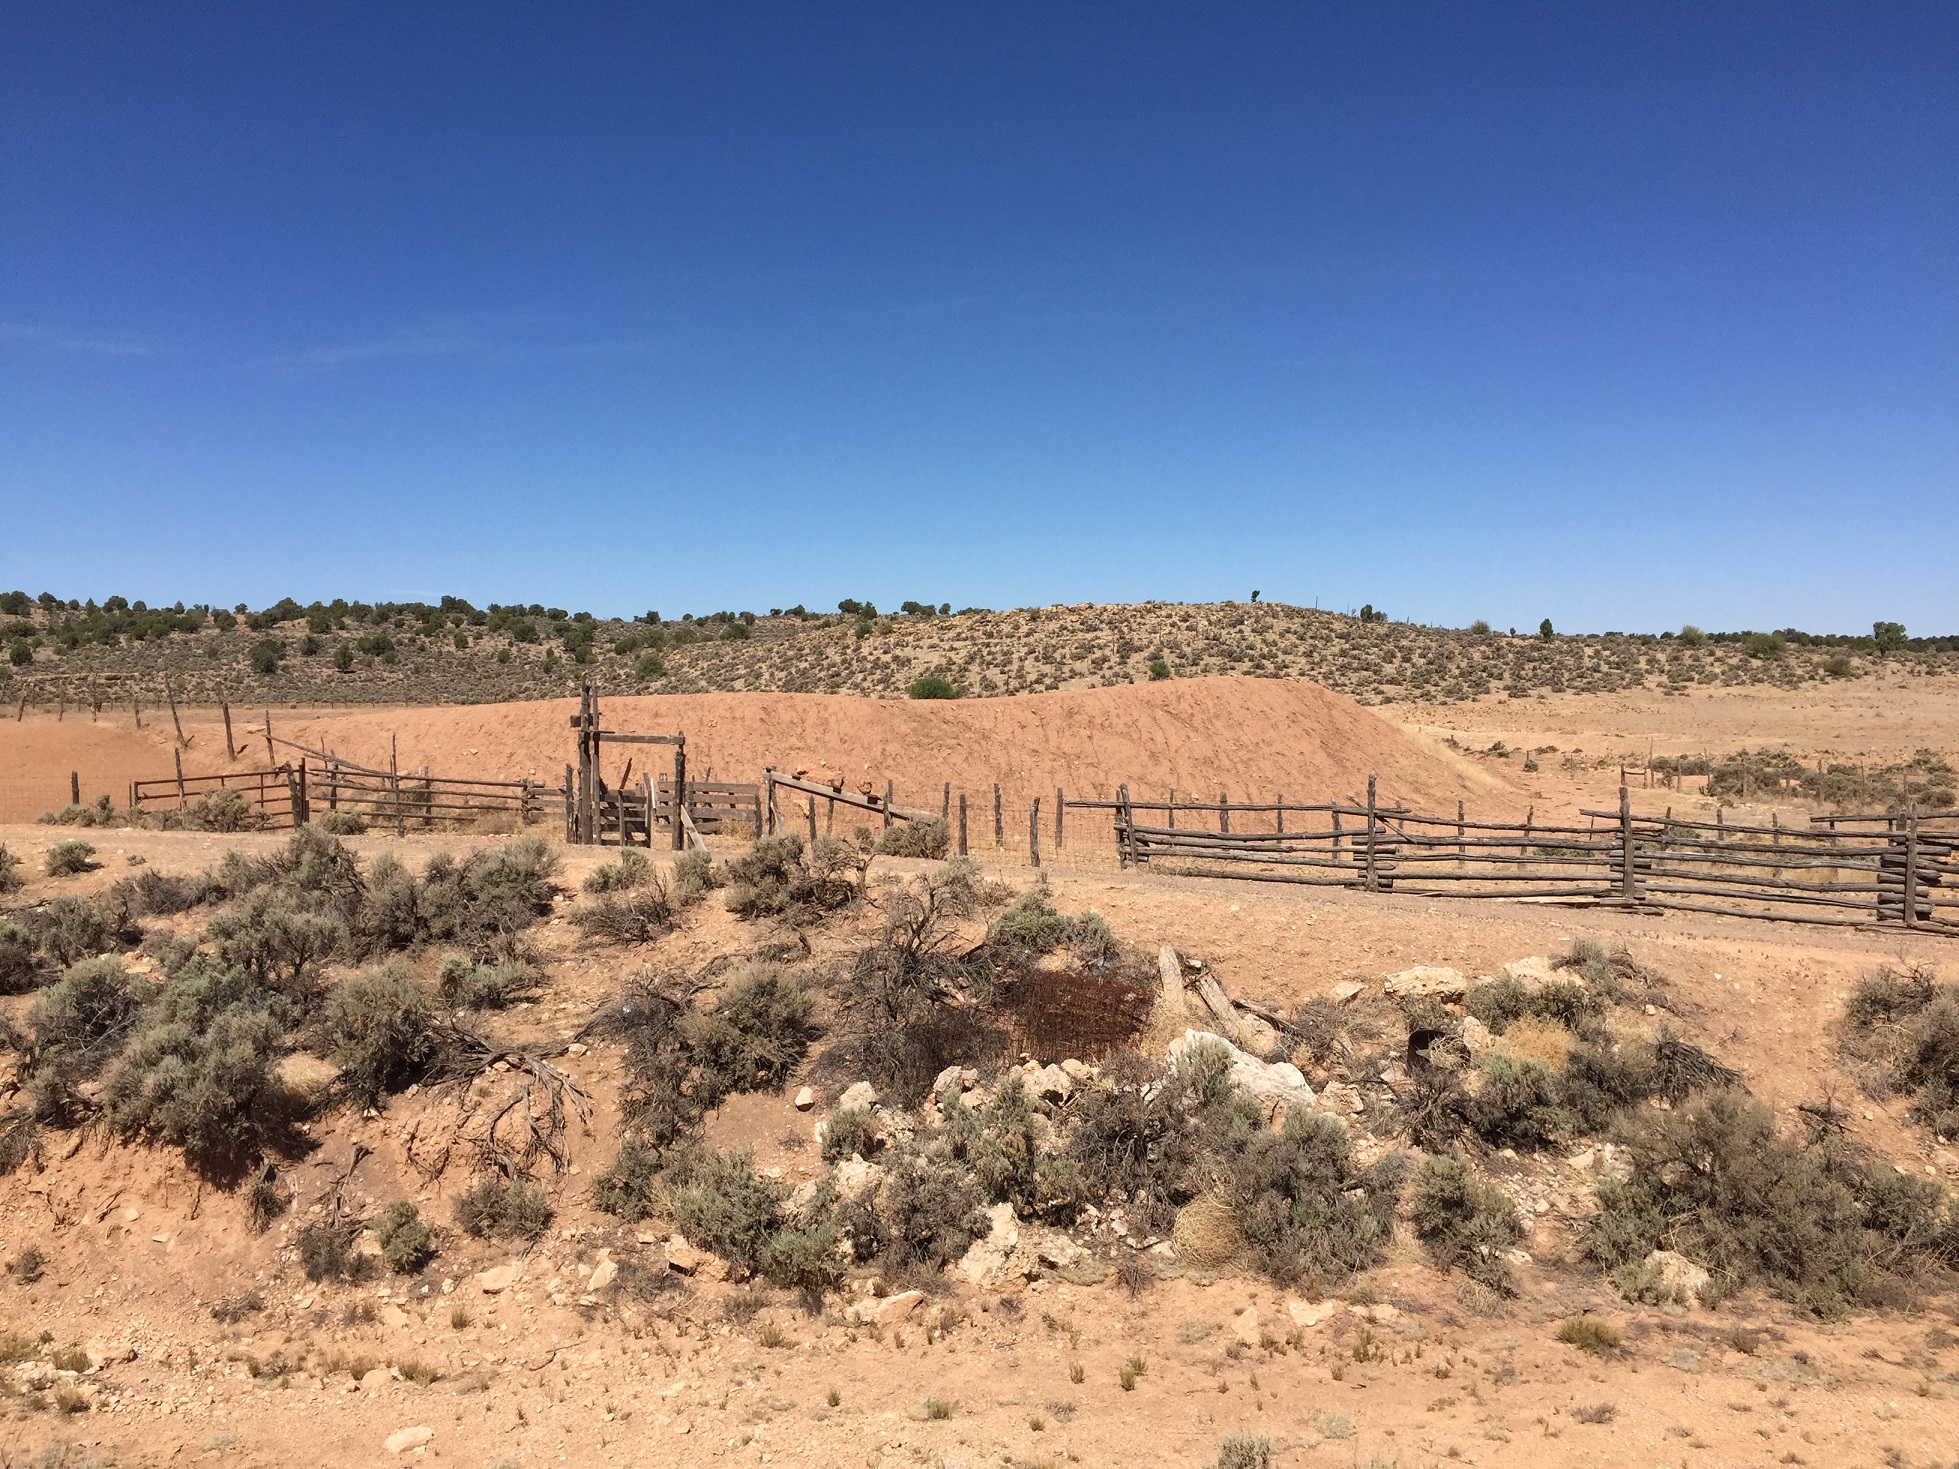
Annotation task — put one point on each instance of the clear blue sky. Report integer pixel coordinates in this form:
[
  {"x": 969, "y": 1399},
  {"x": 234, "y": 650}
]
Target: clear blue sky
[{"x": 1627, "y": 316}]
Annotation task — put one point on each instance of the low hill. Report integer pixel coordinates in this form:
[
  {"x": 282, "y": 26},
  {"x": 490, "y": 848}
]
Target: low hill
[{"x": 461, "y": 655}]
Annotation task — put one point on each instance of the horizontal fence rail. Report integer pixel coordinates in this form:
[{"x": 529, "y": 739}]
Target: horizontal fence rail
[{"x": 1862, "y": 869}]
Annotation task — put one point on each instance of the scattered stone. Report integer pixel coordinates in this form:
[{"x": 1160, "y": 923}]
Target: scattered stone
[
  {"x": 1532, "y": 973},
  {"x": 393, "y": 1316},
  {"x": 603, "y": 1273},
  {"x": 1059, "y": 1252},
  {"x": 1346, "y": 991},
  {"x": 376, "y": 1380},
  {"x": 404, "y": 1439},
  {"x": 1245, "y": 1326},
  {"x": 498, "y": 1279},
  {"x": 805, "y": 1099},
  {"x": 1081, "y": 1071},
  {"x": 858, "y": 1094},
  {"x": 855, "y": 1178},
  {"x": 685, "y": 1259},
  {"x": 1051, "y": 1084},
  {"x": 1680, "y": 1277},
  {"x": 1476, "y": 1038},
  {"x": 1427, "y": 981}
]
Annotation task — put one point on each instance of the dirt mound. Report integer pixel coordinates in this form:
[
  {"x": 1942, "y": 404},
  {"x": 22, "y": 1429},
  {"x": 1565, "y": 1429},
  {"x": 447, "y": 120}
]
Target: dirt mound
[{"x": 1248, "y": 737}]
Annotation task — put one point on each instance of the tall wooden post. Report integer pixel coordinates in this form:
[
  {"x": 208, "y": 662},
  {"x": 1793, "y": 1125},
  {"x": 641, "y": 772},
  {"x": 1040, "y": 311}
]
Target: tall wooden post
[
  {"x": 176, "y": 723},
  {"x": 1911, "y": 866},
  {"x": 962, "y": 823},
  {"x": 394, "y": 782},
  {"x": 1170, "y": 809},
  {"x": 1034, "y": 833},
  {"x": 1279, "y": 810},
  {"x": 887, "y": 805},
  {"x": 1370, "y": 835},
  {"x": 305, "y": 811},
  {"x": 1060, "y": 805},
  {"x": 1224, "y": 812},
  {"x": 74, "y": 788},
  {"x": 999, "y": 828},
  {"x": 230, "y": 750},
  {"x": 1125, "y": 832},
  {"x": 945, "y": 803},
  {"x": 679, "y": 795},
  {"x": 271, "y": 759},
  {"x": 812, "y": 820},
  {"x": 134, "y": 708},
  {"x": 1462, "y": 847},
  {"x": 182, "y": 799}
]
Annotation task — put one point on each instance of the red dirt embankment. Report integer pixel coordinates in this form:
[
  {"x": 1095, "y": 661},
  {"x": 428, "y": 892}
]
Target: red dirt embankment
[
  {"x": 1246, "y": 736},
  {"x": 1250, "y": 737}
]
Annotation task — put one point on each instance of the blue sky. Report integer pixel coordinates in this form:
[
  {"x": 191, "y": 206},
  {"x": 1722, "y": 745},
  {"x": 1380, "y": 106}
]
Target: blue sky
[{"x": 1627, "y": 316}]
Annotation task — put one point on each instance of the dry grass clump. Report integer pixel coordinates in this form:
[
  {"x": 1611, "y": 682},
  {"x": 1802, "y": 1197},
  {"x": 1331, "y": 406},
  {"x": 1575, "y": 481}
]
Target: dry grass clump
[
  {"x": 1901, "y": 1031},
  {"x": 500, "y": 1207},
  {"x": 407, "y": 1242},
  {"x": 1588, "y": 1333},
  {"x": 777, "y": 876},
  {"x": 928, "y": 838}
]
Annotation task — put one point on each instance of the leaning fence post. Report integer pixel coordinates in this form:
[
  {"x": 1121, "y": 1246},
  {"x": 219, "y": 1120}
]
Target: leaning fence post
[
  {"x": 182, "y": 799},
  {"x": 887, "y": 805},
  {"x": 1034, "y": 833}
]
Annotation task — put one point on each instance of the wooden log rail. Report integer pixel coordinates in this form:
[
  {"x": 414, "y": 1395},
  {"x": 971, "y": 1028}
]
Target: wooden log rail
[
  {"x": 1862, "y": 870},
  {"x": 774, "y": 781}
]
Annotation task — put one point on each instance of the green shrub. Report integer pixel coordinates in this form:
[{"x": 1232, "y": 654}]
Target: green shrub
[
  {"x": 482, "y": 905},
  {"x": 466, "y": 986},
  {"x": 10, "y": 878},
  {"x": 1467, "y": 1223},
  {"x": 932, "y": 686},
  {"x": 775, "y": 877},
  {"x": 929, "y": 838},
  {"x": 804, "y": 1260},
  {"x": 376, "y": 1029},
  {"x": 18, "y": 971},
  {"x": 1519, "y": 1105},
  {"x": 649, "y": 666},
  {"x": 223, "y": 810},
  {"x": 721, "y": 1204},
  {"x": 504, "y": 1208},
  {"x": 1000, "y": 1143},
  {"x": 152, "y": 893},
  {"x": 79, "y": 1023},
  {"x": 1159, "y": 669},
  {"x": 758, "y": 1033},
  {"x": 1033, "y": 925},
  {"x": 69, "y": 859},
  {"x": 70, "y": 929},
  {"x": 198, "y": 1074},
  {"x": 407, "y": 1242},
  {"x": 632, "y": 869},
  {"x": 342, "y": 823},
  {"x": 1815, "y": 1224},
  {"x": 279, "y": 933},
  {"x": 1306, "y": 1212},
  {"x": 694, "y": 877},
  {"x": 849, "y": 1132},
  {"x": 265, "y": 655},
  {"x": 923, "y": 1218}
]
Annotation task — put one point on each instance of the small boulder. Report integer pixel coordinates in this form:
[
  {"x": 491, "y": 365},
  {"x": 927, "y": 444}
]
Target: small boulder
[
  {"x": 498, "y": 1279},
  {"x": 1476, "y": 1038},
  {"x": 1345, "y": 991},
  {"x": 393, "y": 1316},
  {"x": 1427, "y": 982},
  {"x": 1051, "y": 1084},
  {"x": 855, "y": 1178},
  {"x": 404, "y": 1439},
  {"x": 805, "y": 1099},
  {"x": 1276, "y": 1084},
  {"x": 893, "y": 1309},
  {"x": 985, "y": 1260},
  {"x": 1532, "y": 973},
  {"x": 603, "y": 1273},
  {"x": 685, "y": 1259},
  {"x": 858, "y": 1094},
  {"x": 1081, "y": 1071},
  {"x": 1311, "y": 1313}
]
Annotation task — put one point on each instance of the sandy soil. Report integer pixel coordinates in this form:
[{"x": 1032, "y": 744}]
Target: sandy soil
[
  {"x": 545, "y": 1372},
  {"x": 1250, "y": 737}
]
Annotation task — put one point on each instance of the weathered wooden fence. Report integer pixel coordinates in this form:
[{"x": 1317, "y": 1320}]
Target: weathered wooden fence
[
  {"x": 1862, "y": 869},
  {"x": 286, "y": 795}
]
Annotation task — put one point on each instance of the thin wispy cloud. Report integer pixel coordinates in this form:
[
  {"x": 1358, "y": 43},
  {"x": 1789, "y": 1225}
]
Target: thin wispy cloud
[
  {"x": 489, "y": 339},
  {"x": 56, "y": 339}
]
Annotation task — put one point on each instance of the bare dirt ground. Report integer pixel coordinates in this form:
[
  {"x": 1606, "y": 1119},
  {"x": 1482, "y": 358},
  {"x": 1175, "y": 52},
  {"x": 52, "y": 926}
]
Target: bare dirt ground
[{"x": 548, "y": 1371}]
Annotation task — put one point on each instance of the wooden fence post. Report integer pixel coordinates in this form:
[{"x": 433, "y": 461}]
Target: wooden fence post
[
  {"x": 1224, "y": 812},
  {"x": 962, "y": 823},
  {"x": 887, "y": 805},
  {"x": 1172, "y": 811},
  {"x": 1370, "y": 835},
  {"x": 305, "y": 812},
  {"x": 182, "y": 799},
  {"x": 1060, "y": 805},
  {"x": 812, "y": 819},
  {"x": 679, "y": 797},
  {"x": 74, "y": 788},
  {"x": 999, "y": 828},
  {"x": 176, "y": 723},
  {"x": 1034, "y": 833},
  {"x": 1462, "y": 848},
  {"x": 1125, "y": 835},
  {"x": 945, "y": 803},
  {"x": 1911, "y": 866},
  {"x": 230, "y": 750},
  {"x": 1279, "y": 810},
  {"x": 134, "y": 707}
]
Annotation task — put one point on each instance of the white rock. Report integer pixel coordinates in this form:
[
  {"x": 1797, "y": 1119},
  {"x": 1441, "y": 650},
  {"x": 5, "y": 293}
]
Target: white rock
[
  {"x": 986, "y": 1259},
  {"x": 1346, "y": 990},
  {"x": 404, "y": 1439},
  {"x": 1680, "y": 1277},
  {"x": 498, "y": 1279},
  {"x": 1059, "y": 1252},
  {"x": 1051, "y": 1084},
  {"x": 1081, "y": 1071},
  {"x": 805, "y": 1099},
  {"x": 1427, "y": 981},
  {"x": 393, "y": 1316},
  {"x": 685, "y": 1259},
  {"x": 859, "y": 1094},
  {"x": 603, "y": 1273},
  {"x": 1245, "y": 1326},
  {"x": 1311, "y": 1313},
  {"x": 1277, "y": 1084},
  {"x": 1476, "y": 1038},
  {"x": 855, "y": 1178}
]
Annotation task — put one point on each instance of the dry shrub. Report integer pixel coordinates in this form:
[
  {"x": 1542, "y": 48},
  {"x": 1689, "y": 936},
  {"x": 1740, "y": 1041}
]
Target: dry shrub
[
  {"x": 10, "y": 878},
  {"x": 152, "y": 893},
  {"x": 326, "y": 1250},
  {"x": 1207, "y": 1234},
  {"x": 78, "y": 1024},
  {"x": 642, "y": 915},
  {"x": 499, "y": 1207},
  {"x": 721, "y": 1204},
  {"x": 70, "y": 929},
  {"x": 1542, "y": 1041},
  {"x": 1520, "y": 1105},
  {"x": 1902, "y": 1031},
  {"x": 70, "y": 859},
  {"x": 1134, "y": 1140},
  {"x": 19, "y": 972},
  {"x": 1593, "y": 1334},
  {"x": 407, "y": 1242},
  {"x": 467, "y": 986},
  {"x": 775, "y": 877},
  {"x": 755, "y": 1036},
  {"x": 1306, "y": 1211},
  {"x": 633, "y": 868},
  {"x": 927, "y": 838}
]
